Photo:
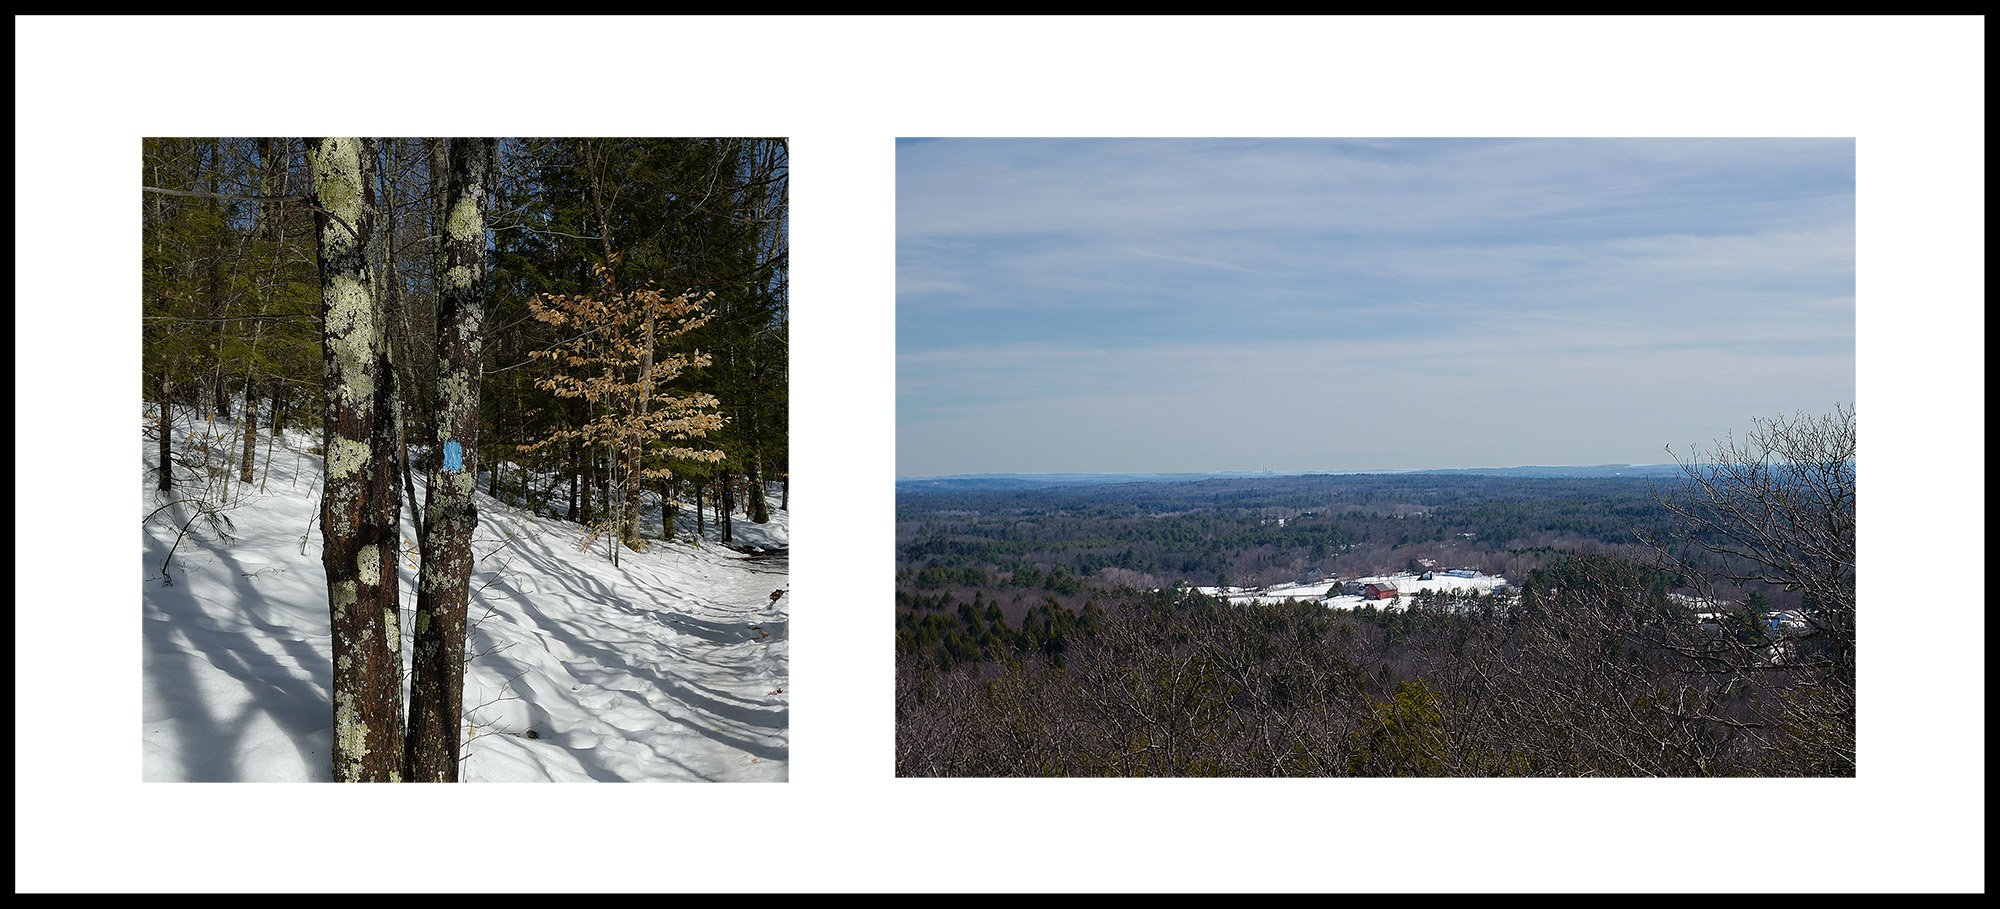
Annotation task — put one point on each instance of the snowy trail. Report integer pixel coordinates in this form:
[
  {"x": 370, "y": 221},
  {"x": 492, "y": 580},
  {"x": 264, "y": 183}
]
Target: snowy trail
[{"x": 672, "y": 665}]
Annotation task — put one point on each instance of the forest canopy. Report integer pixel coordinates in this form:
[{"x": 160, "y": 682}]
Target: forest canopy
[{"x": 232, "y": 306}]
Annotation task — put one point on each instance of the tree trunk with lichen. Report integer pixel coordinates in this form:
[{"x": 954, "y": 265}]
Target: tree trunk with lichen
[
  {"x": 358, "y": 552},
  {"x": 437, "y": 682}
]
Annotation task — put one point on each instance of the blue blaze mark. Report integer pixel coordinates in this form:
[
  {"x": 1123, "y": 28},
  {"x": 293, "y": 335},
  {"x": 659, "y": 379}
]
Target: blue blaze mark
[{"x": 454, "y": 457}]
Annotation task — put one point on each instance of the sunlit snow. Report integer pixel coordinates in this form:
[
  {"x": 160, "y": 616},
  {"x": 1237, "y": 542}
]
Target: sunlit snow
[
  {"x": 670, "y": 666},
  {"x": 1329, "y": 591}
]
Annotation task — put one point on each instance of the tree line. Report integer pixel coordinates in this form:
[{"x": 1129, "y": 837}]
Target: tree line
[
  {"x": 1602, "y": 665},
  {"x": 1265, "y": 530}
]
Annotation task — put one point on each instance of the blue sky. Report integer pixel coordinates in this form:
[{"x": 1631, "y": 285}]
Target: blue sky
[{"x": 1140, "y": 305}]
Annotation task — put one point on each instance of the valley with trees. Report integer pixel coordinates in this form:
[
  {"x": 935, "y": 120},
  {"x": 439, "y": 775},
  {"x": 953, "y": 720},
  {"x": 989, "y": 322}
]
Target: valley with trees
[
  {"x": 415, "y": 408},
  {"x": 1695, "y": 619}
]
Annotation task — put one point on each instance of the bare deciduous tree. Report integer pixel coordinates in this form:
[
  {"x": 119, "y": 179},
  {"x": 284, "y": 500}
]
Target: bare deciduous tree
[{"x": 1777, "y": 507}]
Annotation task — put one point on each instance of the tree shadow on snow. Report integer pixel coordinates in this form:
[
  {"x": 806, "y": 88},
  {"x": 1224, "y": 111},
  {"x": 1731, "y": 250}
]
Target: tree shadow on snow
[{"x": 212, "y": 747}]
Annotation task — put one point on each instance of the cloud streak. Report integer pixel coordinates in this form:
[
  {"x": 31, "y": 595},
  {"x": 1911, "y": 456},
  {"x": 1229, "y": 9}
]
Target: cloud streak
[{"x": 1103, "y": 298}]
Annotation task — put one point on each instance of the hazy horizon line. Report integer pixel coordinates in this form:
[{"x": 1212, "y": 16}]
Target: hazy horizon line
[{"x": 1275, "y": 472}]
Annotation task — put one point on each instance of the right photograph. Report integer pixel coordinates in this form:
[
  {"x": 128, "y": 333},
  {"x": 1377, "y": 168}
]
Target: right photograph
[{"x": 1375, "y": 457}]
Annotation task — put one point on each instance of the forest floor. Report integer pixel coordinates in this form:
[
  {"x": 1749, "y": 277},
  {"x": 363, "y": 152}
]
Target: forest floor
[{"x": 671, "y": 665}]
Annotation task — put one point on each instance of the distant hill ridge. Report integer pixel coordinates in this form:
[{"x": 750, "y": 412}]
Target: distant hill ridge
[{"x": 1006, "y": 481}]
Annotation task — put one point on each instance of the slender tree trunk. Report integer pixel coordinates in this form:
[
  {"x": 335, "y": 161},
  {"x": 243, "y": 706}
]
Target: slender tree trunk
[
  {"x": 386, "y": 471},
  {"x": 725, "y": 509},
  {"x": 222, "y": 395},
  {"x": 753, "y": 480},
  {"x": 628, "y": 516},
  {"x": 396, "y": 327},
  {"x": 264, "y": 217},
  {"x": 409, "y": 475},
  {"x": 249, "y": 474},
  {"x": 165, "y": 381},
  {"x": 757, "y": 509},
  {"x": 699, "y": 529},
  {"x": 605, "y": 470},
  {"x": 166, "y": 433},
  {"x": 785, "y": 492},
  {"x": 357, "y": 551},
  {"x": 270, "y": 438},
  {"x": 587, "y": 478},
  {"x": 666, "y": 510},
  {"x": 572, "y": 468},
  {"x": 527, "y": 487},
  {"x": 589, "y": 471},
  {"x": 438, "y": 684},
  {"x": 213, "y": 286}
]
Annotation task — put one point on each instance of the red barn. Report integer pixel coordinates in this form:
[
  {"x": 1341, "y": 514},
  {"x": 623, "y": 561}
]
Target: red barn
[{"x": 1379, "y": 590}]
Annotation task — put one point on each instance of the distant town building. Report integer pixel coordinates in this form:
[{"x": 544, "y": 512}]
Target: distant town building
[
  {"x": 1463, "y": 572},
  {"x": 1378, "y": 590}
]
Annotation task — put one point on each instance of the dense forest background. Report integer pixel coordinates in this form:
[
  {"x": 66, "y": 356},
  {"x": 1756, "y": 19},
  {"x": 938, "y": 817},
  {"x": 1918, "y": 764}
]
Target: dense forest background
[
  {"x": 232, "y": 308},
  {"x": 1698, "y": 623},
  {"x": 1021, "y": 545}
]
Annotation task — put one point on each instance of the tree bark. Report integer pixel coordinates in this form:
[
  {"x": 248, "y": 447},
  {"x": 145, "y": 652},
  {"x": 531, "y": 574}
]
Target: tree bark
[
  {"x": 357, "y": 552},
  {"x": 269, "y": 166},
  {"x": 666, "y": 510},
  {"x": 753, "y": 482},
  {"x": 213, "y": 287},
  {"x": 573, "y": 469},
  {"x": 725, "y": 507},
  {"x": 451, "y": 512},
  {"x": 249, "y": 431},
  {"x": 589, "y": 471},
  {"x": 606, "y": 469},
  {"x": 386, "y": 467},
  {"x": 166, "y": 433}
]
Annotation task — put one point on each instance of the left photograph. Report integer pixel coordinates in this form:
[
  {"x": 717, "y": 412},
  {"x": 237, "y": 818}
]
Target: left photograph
[{"x": 465, "y": 459}]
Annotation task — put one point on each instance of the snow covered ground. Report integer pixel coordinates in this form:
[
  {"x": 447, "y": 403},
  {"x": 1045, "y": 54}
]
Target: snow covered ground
[
  {"x": 1408, "y": 584},
  {"x": 670, "y": 666}
]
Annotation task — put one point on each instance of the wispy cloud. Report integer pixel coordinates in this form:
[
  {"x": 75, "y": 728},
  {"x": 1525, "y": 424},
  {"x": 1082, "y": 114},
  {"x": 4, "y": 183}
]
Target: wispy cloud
[
  {"x": 1060, "y": 275},
  {"x": 1189, "y": 260}
]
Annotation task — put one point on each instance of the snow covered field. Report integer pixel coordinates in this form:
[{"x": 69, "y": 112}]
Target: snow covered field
[
  {"x": 670, "y": 666},
  {"x": 1408, "y": 584}
]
